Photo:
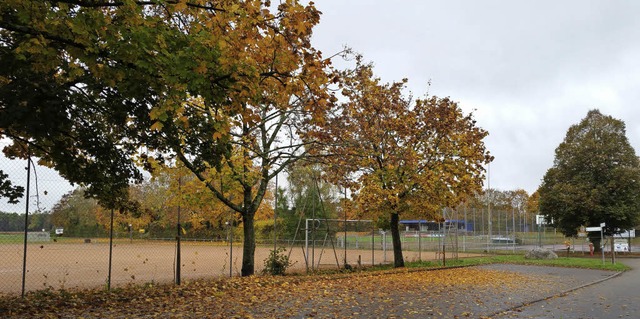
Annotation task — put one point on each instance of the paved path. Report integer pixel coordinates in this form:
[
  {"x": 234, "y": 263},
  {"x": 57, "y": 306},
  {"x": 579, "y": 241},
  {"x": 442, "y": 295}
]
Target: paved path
[
  {"x": 496, "y": 291},
  {"x": 618, "y": 297}
]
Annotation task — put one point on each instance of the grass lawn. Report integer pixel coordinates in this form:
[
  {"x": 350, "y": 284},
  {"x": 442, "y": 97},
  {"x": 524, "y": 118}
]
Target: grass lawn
[
  {"x": 572, "y": 262},
  {"x": 11, "y": 238}
]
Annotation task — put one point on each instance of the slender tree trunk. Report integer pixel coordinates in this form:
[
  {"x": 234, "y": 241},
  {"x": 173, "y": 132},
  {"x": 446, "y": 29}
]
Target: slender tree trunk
[
  {"x": 613, "y": 251},
  {"x": 398, "y": 260},
  {"x": 249, "y": 246}
]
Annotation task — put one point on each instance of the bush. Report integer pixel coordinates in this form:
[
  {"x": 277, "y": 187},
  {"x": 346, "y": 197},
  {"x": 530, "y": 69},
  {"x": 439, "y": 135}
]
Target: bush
[{"x": 277, "y": 262}]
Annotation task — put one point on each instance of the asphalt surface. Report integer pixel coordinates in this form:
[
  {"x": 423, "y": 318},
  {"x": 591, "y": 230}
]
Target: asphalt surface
[
  {"x": 613, "y": 296},
  {"x": 497, "y": 291}
]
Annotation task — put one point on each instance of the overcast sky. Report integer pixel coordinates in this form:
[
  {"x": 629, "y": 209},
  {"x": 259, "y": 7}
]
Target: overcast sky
[{"x": 527, "y": 69}]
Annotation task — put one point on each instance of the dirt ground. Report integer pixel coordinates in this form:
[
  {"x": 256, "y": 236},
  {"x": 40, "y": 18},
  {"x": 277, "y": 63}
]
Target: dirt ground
[{"x": 85, "y": 265}]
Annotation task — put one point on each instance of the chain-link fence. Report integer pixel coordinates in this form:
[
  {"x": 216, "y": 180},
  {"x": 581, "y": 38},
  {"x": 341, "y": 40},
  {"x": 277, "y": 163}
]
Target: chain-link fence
[{"x": 73, "y": 242}]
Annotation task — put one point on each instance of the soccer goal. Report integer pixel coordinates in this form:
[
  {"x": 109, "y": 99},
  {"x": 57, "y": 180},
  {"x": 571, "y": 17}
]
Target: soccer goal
[{"x": 338, "y": 242}]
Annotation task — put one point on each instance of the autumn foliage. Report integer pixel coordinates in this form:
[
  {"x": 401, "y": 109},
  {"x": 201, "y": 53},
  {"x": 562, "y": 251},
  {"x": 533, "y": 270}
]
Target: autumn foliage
[
  {"x": 398, "y": 155},
  {"x": 449, "y": 293},
  {"x": 223, "y": 90}
]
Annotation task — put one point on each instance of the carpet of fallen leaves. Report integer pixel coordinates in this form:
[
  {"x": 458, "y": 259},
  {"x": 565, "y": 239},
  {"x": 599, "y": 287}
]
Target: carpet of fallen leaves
[{"x": 472, "y": 292}]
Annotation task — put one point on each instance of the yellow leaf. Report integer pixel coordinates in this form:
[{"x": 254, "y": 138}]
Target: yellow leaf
[{"x": 157, "y": 126}]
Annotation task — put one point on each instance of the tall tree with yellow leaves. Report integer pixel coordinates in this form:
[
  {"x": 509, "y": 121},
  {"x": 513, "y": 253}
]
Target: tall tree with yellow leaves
[
  {"x": 400, "y": 156},
  {"x": 86, "y": 85}
]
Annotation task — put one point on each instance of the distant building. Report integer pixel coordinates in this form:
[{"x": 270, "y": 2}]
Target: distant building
[{"x": 432, "y": 225}]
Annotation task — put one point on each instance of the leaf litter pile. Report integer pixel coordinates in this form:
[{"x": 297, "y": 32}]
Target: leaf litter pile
[{"x": 471, "y": 292}]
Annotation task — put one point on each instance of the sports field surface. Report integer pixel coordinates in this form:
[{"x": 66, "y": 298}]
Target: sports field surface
[{"x": 64, "y": 265}]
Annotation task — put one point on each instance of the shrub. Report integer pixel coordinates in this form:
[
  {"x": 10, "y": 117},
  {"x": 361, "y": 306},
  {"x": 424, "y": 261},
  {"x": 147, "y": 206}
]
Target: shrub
[{"x": 277, "y": 262}]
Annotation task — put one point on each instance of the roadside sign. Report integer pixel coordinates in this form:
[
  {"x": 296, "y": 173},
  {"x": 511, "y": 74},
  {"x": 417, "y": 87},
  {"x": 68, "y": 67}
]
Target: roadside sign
[
  {"x": 627, "y": 234},
  {"x": 540, "y": 220},
  {"x": 593, "y": 229}
]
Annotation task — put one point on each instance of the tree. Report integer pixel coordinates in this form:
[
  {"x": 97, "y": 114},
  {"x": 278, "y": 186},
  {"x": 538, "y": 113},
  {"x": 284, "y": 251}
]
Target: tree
[
  {"x": 595, "y": 178},
  {"x": 88, "y": 86},
  {"x": 8, "y": 190},
  {"x": 57, "y": 60},
  {"x": 310, "y": 196},
  {"x": 80, "y": 216},
  {"x": 532, "y": 207},
  {"x": 400, "y": 156},
  {"x": 11, "y": 222}
]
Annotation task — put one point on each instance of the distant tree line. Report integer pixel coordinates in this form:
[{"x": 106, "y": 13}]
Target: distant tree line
[{"x": 14, "y": 222}]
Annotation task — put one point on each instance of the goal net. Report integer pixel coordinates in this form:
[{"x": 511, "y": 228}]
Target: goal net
[{"x": 339, "y": 242}]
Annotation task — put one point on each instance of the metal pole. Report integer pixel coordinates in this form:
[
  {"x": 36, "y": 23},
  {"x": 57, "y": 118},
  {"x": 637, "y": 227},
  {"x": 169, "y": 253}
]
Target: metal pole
[
  {"x": 313, "y": 234},
  {"x": 110, "y": 251},
  {"x": 306, "y": 241},
  {"x": 26, "y": 225},
  {"x": 513, "y": 227},
  {"x": 444, "y": 255},
  {"x": 466, "y": 229},
  {"x": 602, "y": 244},
  {"x": 231, "y": 246},
  {"x": 384, "y": 246},
  {"x": 539, "y": 237},
  {"x": 345, "y": 227},
  {"x": 230, "y": 236},
  {"x": 489, "y": 207},
  {"x": 373, "y": 233},
  {"x": 419, "y": 240},
  {"x": 275, "y": 213},
  {"x": 178, "y": 255}
]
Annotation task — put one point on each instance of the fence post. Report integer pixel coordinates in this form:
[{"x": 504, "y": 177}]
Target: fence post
[
  {"x": 373, "y": 233},
  {"x": 26, "y": 225},
  {"x": 110, "y": 251},
  {"x": 419, "y": 240},
  {"x": 178, "y": 255}
]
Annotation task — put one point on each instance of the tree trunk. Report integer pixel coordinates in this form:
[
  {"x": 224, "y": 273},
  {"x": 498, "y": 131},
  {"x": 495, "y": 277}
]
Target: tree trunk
[
  {"x": 613, "y": 250},
  {"x": 398, "y": 260},
  {"x": 596, "y": 243},
  {"x": 249, "y": 246}
]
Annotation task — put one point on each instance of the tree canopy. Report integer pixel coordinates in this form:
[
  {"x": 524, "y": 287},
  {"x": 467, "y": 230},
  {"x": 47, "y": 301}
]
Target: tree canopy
[
  {"x": 93, "y": 88},
  {"x": 595, "y": 178},
  {"x": 400, "y": 156},
  {"x": 8, "y": 190}
]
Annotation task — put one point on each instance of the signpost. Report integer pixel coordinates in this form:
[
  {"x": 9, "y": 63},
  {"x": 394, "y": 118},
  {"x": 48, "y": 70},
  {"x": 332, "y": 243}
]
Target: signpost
[
  {"x": 541, "y": 220},
  {"x": 594, "y": 229}
]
